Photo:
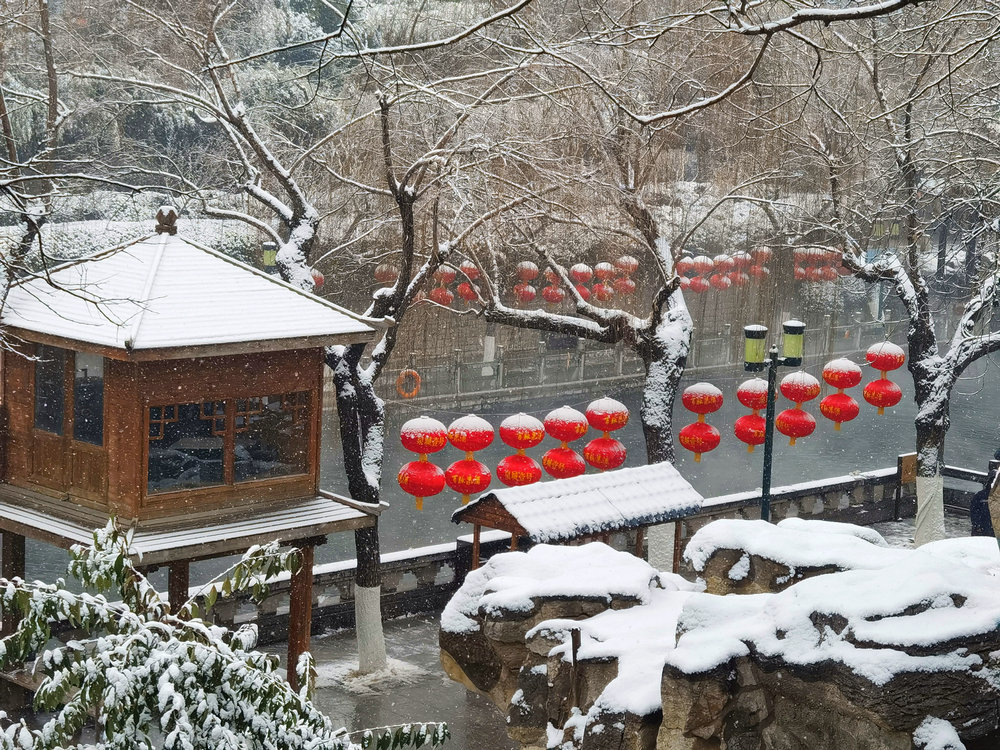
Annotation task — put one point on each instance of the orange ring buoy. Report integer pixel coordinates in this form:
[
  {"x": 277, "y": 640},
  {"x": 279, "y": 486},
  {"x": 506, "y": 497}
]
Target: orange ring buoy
[{"x": 402, "y": 379}]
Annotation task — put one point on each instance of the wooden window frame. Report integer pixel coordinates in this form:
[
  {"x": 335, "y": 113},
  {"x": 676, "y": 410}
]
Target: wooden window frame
[{"x": 230, "y": 488}]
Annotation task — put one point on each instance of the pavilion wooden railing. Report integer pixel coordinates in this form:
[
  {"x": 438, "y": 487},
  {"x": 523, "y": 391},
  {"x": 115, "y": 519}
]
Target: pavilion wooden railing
[{"x": 422, "y": 580}]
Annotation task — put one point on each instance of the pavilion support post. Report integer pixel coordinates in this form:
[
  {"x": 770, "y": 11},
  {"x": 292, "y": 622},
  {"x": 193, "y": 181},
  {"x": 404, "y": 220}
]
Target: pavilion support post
[
  {"x": 11, "y": 566},
  {"x": 678, "y": 544},
  {"x": 178, "y": 583},
  {"x": 513, "y": 541},
  {"x": 640, "y": 533},
  {"x": 299, "y": 612},
  {"x": 476, "y": 534}
]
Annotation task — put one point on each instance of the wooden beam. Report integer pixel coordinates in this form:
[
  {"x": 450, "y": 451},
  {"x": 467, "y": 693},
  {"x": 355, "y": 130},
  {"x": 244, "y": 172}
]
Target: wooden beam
[
  {"x": 178, "y": 583},
  {"x": 476, "y": 533},
  {"x": 11, "y": 566},
  {"x": 299, "y": 613}
]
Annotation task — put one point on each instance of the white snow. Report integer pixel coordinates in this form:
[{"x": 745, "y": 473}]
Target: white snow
[
  {"x": 936, "y": 734},
  {"x": 593, "y": 503},
  {"x": 832, "y": 527}
]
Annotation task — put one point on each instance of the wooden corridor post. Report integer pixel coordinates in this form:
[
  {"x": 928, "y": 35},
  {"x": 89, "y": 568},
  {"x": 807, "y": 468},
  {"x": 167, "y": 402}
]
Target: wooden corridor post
[
  {"x": 299, "y": 612},
  {"x": 11, "y": 566}
]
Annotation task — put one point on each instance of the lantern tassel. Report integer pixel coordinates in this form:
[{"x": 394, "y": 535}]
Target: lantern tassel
[
  {"x": 791, "y": 441},
  {"x": 420, "y": 503},
  {"x": 881, "y": 410},
  {"x": 697, "y": 458},
  {"x": 836, "y": 426},
  {"x": 749, "y": 447},
  {"x": 465, "y": 499}
]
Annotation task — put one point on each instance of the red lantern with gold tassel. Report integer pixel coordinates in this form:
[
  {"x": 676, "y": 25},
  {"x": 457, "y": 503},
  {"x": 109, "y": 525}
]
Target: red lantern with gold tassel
[
  {"x": 883, "y": 393},
  {"x": 798, "y": 387},
  {"x": 606, "y": 452},
  {"x": 839, "y": 407},
  {"x": 700, "y": 437},
  {"x": 565, "y": 424},
  {"x": 421, "y": 478},
  {"x": 527, "y": 271},
  {"x": 468, "y": 476},
  {"x": 750, "y": 428},
  {"x": 520, "y": 431}
]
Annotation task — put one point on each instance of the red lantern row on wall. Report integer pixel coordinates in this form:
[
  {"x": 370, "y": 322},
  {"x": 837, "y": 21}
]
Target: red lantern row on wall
[
  {"x": 421, "y": 478},
  {"x": 883, "y": 393},
  {"x": 818, "y": 265},
  {"x": 700, "y": 437},
  {"x": 701, "y": 273},
  {"x": 609, "y": 280}
]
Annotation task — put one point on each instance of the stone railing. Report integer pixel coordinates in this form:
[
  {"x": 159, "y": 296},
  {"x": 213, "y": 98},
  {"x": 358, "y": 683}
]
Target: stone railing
[{"x": 422, "y": 580}]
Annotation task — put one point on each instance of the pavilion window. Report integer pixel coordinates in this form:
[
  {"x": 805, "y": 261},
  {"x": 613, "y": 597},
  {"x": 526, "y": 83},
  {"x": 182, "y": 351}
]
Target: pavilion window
[
  {"x": 221, "y": 442},
  {"x": 50, "y": 389},
  {"x": 88, "y": 398}
]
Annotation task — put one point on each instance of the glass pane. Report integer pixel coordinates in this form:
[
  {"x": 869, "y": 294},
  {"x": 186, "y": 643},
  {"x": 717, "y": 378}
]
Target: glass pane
[
  {"x": 50, "y": 389},
  {"x": 272, "y": 436},
  {"x": 88, "y": 399},
  {"x": 186, "y": 443}
]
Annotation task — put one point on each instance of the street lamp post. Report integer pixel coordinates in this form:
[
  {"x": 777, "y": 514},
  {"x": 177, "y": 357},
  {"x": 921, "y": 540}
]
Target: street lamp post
[{"x": 755, "y": 361}]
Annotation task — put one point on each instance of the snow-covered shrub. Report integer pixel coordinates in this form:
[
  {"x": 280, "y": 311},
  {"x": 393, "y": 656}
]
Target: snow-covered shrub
[{"x": 150, "y": 678}]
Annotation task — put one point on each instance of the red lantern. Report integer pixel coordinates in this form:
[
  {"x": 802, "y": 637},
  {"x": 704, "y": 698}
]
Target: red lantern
[
  {"x": 470, "y": 433},
  {"x": 882, "y": 393},
  {"x": 522, "y": 431},
  {"x": 839, "y": 407},
  {"x": 604, "y": 453},
  {"x": 627, "y": 264},
  {"x": 524, "y": 292},
  {"x": 386, "y": 273},
  {"x": 469, "y": 269},
  {"x": 843, "y": 270},
  {"x": 518, "y": 470},
  {"x": 684, "y": 283},
  {"x": 753, "y": 394},
  {"x": 565, "y": 424},
  {"x": 702, "y": 398},
  {"x": 551, "y": 276},
  {"x": 723, "y": 263},
  {"x": 441, "y": 295},
  {"x": 750, "y": 429},
  {"x": 699, "y": 437},
  {"x": 700, "y": 285},
  {"x": 421, "y": 479},
  {"x": 624, "y": 286},
  {"x": 799, "y": 387},
  {"x": 841, "y": 373},
  {"x": 885, "y": 356},
  {"x": 795, "y": 423},
  {"x": 738, "y": 278},
  {"x": 829, "y": 273},
  {"x": 563, "y": 463},
  {"x": 761, "y": 255},
  {"x": 604, "y": 271},
  {"x": 607, "y": 414},
  {"x": 742, "y": 260},
  {"x": 703, "y": 265},
  {"x": 720, "y": 282},
  {"x": 814, "y": 274},
  {"x": 423, "y": 435},
  {"x": 799, "y": 273},
  {"x": 318, "y": 278},
  {"x": 445, "y": 275},
  {"x": 684, "y": 267},
  {"x": 581, "y": 273},
  {"x": 467, "y": 292},
  {"x": 583, "y": 291},
  {"x": 553, "y": 294},
  {"x": 527, "y": 271},
  {"x": 760, "y": 272},
  {"x": 603, "y": 292},
  {"x": 468, "y": 477}
]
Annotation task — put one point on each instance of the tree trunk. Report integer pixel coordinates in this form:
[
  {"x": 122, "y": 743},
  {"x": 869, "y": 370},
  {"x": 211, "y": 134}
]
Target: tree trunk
[
  {"x": 664, "y": 358},
  {"x": 931, "y": 423}
]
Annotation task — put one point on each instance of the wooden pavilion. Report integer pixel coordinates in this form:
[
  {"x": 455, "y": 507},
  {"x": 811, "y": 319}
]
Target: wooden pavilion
[
  {"x": 584, "y": 508},
  {"x": 179, "y": 390}
]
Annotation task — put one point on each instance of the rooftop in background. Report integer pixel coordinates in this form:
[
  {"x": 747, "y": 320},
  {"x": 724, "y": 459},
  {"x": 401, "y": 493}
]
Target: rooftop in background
[
  {"x": 586, "y": 505},
  {"x": 166, "y": 295}
]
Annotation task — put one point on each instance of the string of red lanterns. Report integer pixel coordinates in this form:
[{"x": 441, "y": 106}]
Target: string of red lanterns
[
  {"x": 750, "y": 428},
  {"x": 883, "y": 393},
  {"x": 839, "y": 407},
  {"x": 797, "y": 387},
  {"x": 472, "y": 433},
  {"x": 701, "y": 273}
]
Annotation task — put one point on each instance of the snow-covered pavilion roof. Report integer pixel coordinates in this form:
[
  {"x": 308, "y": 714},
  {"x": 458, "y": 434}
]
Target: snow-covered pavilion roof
[
  {"x": 166, "y": 292},
  {"x": 589, "y": 504}
]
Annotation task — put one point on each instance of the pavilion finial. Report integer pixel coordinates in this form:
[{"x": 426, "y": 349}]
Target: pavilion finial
[{"x": 166, "y": 220}]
